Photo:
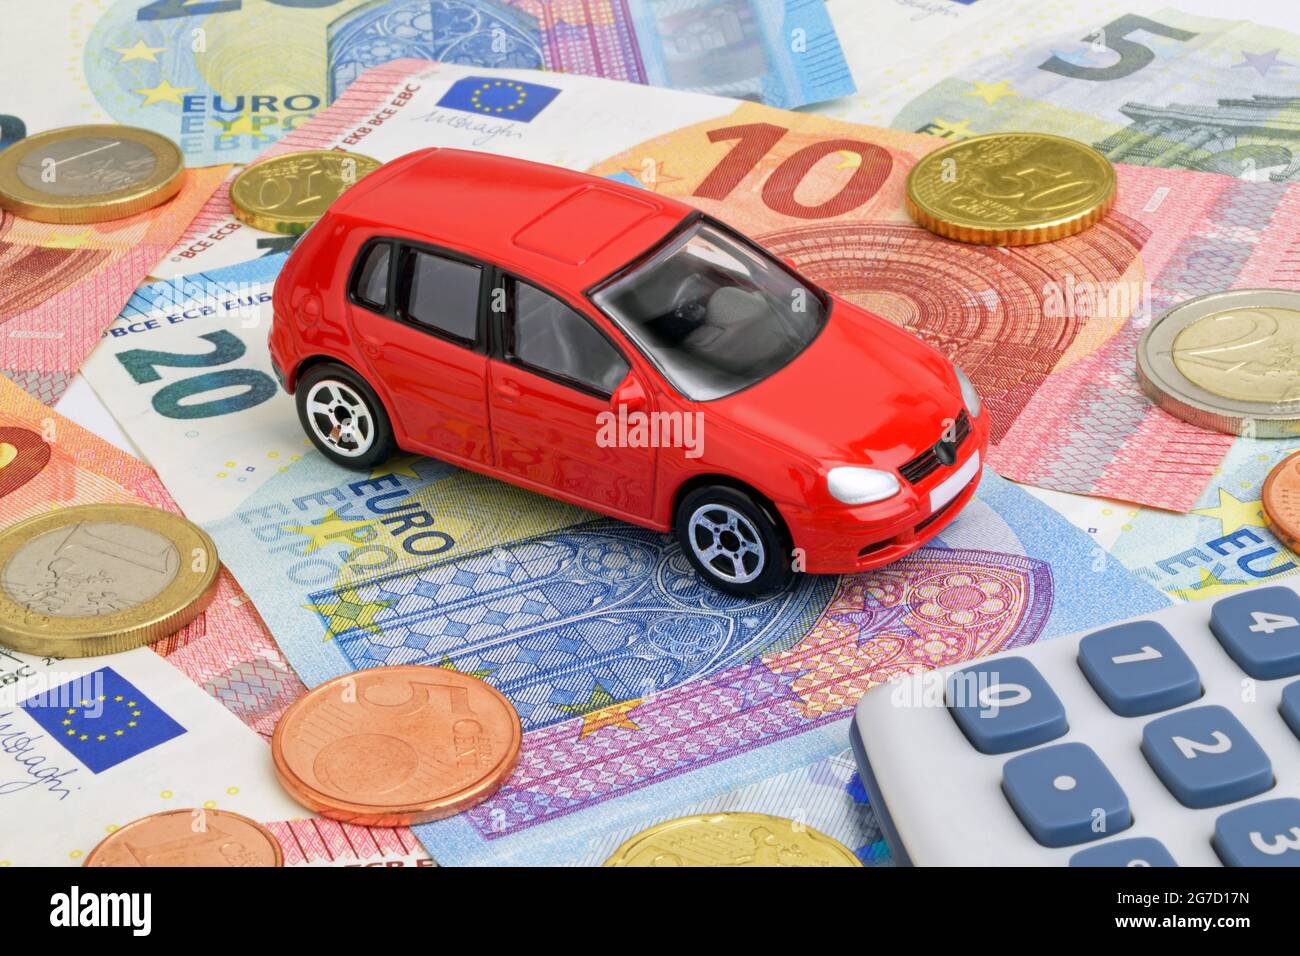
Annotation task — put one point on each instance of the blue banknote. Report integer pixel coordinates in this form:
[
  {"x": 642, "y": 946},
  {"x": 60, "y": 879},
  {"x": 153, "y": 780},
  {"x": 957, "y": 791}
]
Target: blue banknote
[{"x": 1007, "y": 573}]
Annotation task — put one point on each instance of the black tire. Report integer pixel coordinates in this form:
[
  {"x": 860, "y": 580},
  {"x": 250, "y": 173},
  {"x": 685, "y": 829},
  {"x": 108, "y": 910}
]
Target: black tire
[
  {"x": 346, "y": 391},
  {"x": 748, "y": 539}
]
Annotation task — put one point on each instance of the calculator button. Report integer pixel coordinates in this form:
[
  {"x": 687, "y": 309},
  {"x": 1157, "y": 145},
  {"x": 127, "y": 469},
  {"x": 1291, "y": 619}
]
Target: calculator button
[
  {"x": 1260, "y": 630},
  {"x": 1260, "y": 834},
  {"x": 1138, "y": 668},
  {"x": 1291, "y": 707},
  {"x": 1138, "y": 851},
  {"x": 1205, "y": 757},
  {"x": 1064, "y": 795},
  {"x": 1004, "y": 705}
]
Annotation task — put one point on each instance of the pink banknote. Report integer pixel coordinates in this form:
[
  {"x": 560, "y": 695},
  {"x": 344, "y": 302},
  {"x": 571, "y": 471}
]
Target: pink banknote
[{"x": 61, "y": 285}]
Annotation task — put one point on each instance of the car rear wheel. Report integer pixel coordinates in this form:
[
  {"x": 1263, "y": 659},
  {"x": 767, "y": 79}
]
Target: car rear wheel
[
  {"x": 344, "y": 417},
  {"x": 732, "y": 540}
]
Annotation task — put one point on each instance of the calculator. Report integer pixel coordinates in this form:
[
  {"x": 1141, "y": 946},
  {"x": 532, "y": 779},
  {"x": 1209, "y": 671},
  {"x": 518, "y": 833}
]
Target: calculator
[{"x": 1167, "y": 740}]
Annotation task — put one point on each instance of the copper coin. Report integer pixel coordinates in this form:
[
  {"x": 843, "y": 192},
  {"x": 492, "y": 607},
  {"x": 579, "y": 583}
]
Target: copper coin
[
  {"x": 189, "y": 838},
  {"x": 395, "y": 746},
  {"x": 1281, "y": 499}
]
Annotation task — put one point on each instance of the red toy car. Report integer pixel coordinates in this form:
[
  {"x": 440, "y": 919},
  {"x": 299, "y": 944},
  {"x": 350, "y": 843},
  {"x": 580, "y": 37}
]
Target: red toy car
[{"x": 617, "y": 349}]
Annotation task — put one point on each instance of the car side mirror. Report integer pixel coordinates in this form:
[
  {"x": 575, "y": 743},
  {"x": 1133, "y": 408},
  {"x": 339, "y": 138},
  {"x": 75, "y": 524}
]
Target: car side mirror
[{"x": 629, "y": 395}]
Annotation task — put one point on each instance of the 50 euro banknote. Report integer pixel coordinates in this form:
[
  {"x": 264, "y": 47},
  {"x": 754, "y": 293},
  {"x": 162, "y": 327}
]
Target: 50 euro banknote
[
  {"x": 1047, "y": 333},
  {"x": 226, "y": 79}
]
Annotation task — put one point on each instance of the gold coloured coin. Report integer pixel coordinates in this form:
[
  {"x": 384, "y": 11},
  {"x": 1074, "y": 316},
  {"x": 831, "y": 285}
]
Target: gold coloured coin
[
  {"x": 1229, "y": 361},
  {"x": 288, "y": 193},
  {"x": 98, "y": 579},
  {"x": 1010, "y": 189},
  {"x": 81, "y": 174},
  {"x": 732, "y": 839}
]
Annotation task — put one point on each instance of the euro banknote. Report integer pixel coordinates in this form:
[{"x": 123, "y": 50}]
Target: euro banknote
[
  {"x": 226, "y": 79},
  {"x": 1146, "y": 85},
  {"x": 827, "y": 796},
  {"x": 60, "y": 285},
  {"x": 89, "y": 745},
  {"x": 72, "y": 796},
  {"x": 1047, "y": 333}
]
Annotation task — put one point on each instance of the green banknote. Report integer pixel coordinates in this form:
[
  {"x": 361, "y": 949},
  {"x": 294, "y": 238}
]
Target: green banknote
[{"x": 1147, "y": 86}]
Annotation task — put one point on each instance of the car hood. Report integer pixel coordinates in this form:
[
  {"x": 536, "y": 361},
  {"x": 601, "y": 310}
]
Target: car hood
[{"x": 863, "y": 392}]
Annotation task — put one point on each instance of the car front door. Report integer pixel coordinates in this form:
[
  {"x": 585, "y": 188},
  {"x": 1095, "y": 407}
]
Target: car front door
[
  {"x": 418, "y": 315},
  {"x": 550, "y": 388}
]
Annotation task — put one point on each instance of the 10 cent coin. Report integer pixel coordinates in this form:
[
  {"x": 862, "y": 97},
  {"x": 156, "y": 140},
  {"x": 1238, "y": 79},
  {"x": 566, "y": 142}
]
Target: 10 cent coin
[
  {"x": 98, "y": 579},
  {"x": 395, "y": 746},
  {"x": 732, "y": 839},
  {"x": 288, "y": 193}
]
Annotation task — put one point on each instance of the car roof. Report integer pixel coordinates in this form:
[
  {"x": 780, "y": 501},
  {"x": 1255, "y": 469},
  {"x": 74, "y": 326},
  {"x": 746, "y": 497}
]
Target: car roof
[{"x": 561, "y": 226}]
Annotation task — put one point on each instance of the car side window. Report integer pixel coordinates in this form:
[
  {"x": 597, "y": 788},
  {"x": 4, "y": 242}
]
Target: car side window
[
  {"x": 371, "y": 283},
  {"x": 442, "y": 294},
  {"x": 549, "y": 336}
]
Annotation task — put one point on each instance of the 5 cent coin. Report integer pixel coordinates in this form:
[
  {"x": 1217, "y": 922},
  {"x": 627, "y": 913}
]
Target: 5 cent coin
[
  {"x": 189, "y": 838},
  {"x": 1281, "y": 500},
  {"x": 395, "y": 746},
  {"x": 1010, "y": 189},
  {"x": 98, "y": 579},
  {"x": 732, "y": 839}
]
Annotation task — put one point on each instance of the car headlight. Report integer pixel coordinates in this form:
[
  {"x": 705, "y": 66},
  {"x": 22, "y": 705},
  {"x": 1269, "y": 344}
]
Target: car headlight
[
  {"x": 860, "y": 486},
  {"x": 968, "y": 394}
]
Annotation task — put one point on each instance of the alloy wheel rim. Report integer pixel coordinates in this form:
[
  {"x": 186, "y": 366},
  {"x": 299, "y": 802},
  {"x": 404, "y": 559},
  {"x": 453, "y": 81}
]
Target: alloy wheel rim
[
  {"x": 340, "y": 418},
  {"x": 727, "y": 543}
]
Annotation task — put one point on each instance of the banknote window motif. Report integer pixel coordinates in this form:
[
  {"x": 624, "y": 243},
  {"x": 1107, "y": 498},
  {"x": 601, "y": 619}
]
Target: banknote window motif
[{"x": 102, "y": 719}]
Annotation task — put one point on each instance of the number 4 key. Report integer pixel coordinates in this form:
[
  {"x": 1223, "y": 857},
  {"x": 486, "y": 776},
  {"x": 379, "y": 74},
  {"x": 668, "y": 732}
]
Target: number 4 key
[{"x": 1260, "y": 630}]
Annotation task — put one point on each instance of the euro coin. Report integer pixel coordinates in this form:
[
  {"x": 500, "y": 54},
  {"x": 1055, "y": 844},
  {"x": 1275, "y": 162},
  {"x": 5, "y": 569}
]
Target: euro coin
[
  {"x": 98, "y": 579},
  {"x": 82, "y": 174},
  {"x": 396, "y": 746},
  {"x": 1281, "y": 500},
  {"x": 732, "y": 839},
  {"x": 1229, "y": 361},
  {"x": 288, "y": 193},
  {"x": 1010, "y": 189},
  {"x": 195, "y": 837}
]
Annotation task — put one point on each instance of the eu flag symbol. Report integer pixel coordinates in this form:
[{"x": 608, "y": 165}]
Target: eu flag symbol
[
  {"x": 506, "y": 99},
  {"x": 102, "y": 719}
]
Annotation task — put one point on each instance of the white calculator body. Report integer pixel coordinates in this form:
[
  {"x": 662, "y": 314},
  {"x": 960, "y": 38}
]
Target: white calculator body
[{"x": 1171, "y": 739}]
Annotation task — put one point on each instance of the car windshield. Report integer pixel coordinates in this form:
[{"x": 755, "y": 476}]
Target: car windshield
[{"x": 714, "y": 314}]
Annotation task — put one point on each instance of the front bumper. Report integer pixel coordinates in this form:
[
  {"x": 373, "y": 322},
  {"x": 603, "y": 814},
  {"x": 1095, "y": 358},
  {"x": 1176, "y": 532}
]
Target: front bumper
[{"x": 848, "y": 540}]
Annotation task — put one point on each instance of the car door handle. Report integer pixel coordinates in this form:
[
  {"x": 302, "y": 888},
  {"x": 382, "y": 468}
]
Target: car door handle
[
  {"x": 507, "y": 391},
  {"x": 371, "y": 347}
]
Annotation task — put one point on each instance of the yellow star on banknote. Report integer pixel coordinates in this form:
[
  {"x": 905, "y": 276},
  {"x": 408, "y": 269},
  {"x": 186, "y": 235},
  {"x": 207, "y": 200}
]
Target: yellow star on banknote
[
  {"x": 1210, "y": 586},
  {"x": 602, "y": 711},
  {"x": 990, "y": 93},
  {"x": 141, "y": 51},
  {"x": 954, "y": 130},
  {"x": 1233, "y": 513},
  {"x": 849, "y": 159},
  {"x": 396, "y": 466},
  {"x": 66, "y": 240},
  {"x": 320, "y": 533},
  {"x": 164, "y": 92},
  {"x": 448, "y": 664},
  {"x": 349, "y": 611},
  {"x": 243, "y": 126}
]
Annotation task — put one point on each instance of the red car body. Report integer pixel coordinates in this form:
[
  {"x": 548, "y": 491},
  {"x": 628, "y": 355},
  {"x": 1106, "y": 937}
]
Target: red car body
[{"x": 862, "y": 392}]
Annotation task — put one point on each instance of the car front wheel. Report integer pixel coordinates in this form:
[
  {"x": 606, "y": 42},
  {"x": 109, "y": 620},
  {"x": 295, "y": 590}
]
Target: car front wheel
[
  {"x": 344, "y": 417},
  {"x": 732, "y": 540}
]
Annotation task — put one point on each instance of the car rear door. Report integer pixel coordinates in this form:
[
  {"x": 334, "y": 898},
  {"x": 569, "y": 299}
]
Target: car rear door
[{"x": 418, "y": 313}]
